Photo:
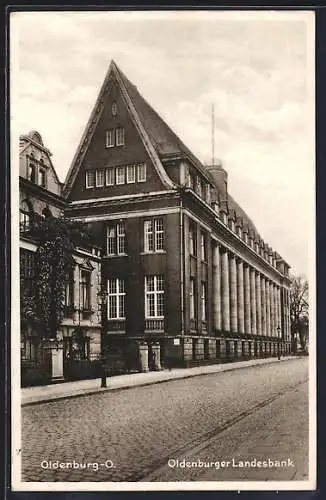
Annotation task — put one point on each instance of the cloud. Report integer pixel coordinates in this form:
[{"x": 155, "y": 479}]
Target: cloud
[{"x": 255, "y": 73}]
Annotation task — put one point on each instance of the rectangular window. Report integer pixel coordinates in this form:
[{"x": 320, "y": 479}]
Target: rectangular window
[
  {"x": 110, "y": 174},
  {"x": 192, "y": 298},
  {"x": 99, "y": 178},
  {"x": 121, "y": 238},
  {"x": 119, "y": 136},
  {"x": 111, "y": 241},
  {"x": 154, "y": 296},
  {"x": 131, "y": 174},
  {"x": 31, "y": 172},
  {"x": 85, "y": 289},
  {"x": 109, "y": 140},
  {"x": 116, "y": 299},
  {"x": 148, "y": 236},
  {"x": 159, "y": 234},
  {"x": 41, "y": 177},
  {"x": 90, "y": 179},
  {"x": 141, "y": 172},
  {"x": 199, "y": 187},
  {"x": 203, "y": 245},
  {"x": 24, "y": 221},
  {"x": 69, "y": 289},
  {"x": 208, "y": 194},
  {"x": 153, "y": 235},
  {"x": 27, "y": 271},
  {"x": 192, "y": 239},
  {"x": 191, "y": 181},
  {"x": 116, "y": 239},
  {"x": 203, "y": 300},
  {"x": 120, "y": 175}
]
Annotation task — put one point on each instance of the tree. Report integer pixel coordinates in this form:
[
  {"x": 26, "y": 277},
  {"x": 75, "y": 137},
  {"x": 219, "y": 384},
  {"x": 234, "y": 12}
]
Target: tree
[
  {"x": 299, "y": 309},
  {"x": 57, "y": 238}
]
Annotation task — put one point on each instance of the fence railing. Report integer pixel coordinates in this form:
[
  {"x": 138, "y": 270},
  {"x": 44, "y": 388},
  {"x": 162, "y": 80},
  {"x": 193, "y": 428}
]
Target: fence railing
[{"x": 154, "y": 325}]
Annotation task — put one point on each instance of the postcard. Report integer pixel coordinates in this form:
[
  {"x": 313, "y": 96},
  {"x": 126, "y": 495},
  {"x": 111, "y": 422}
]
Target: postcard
[{"x": 163, "y": 250}]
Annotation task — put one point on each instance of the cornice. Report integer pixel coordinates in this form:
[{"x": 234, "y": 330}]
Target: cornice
[{"x": 41, "y": 193}]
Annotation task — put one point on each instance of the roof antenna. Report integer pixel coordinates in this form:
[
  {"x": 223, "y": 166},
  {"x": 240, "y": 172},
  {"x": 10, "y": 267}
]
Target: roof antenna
[{"x": 213, "y": 138}]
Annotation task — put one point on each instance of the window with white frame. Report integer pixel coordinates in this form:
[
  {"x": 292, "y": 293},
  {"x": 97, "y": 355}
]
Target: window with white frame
[
  {"x": 110, "y": 176},
  {"x": 154, "y": 296},
  {"x": 203, "y": 300},
  {"x": 109, "y": 138},
  {"x": 192, "y": 298},
  {"x": 192, "y": 239},
  {"x": 69, "y": 289},
  {"x": 119, "y": 136},
  {"x": 41, "y": 176},
  {"x": 99, "y": 178},
  {"x": 199, "y": 186},
  {"x": 191, "y": 181},
  {"x": 116, "y": 239},
  {"x": 153, "y": 235},
  {"x": 31, "y": 171},
  {"x": 116, "y": 298},
  {"x": 203, "y": 245},
  {"x": 114, "y": 109},
  {"x": 85, "y": 289},
  {"x": 90, "y": 178},
  {"x": 131, "y": 174},
  {"x": 25, "y": 213},
  {"x": 207, "y": 193},
  {"x": 120, "y": 175},
  {"x": 141, "y": 172}
]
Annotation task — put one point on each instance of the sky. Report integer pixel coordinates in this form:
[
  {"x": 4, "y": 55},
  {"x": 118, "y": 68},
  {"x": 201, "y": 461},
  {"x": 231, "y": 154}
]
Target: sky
[{"x": 256, "y": 68}]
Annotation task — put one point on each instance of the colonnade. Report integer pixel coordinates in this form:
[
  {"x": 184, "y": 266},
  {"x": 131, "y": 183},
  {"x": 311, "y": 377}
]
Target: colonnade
[{"x": 246, "y": 300}]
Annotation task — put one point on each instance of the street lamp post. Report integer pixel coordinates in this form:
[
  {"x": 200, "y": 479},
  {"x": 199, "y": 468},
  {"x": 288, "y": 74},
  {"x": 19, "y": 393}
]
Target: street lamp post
[
  {"x": 103, "y": 296},
  {"x": 278, "y": 342}
]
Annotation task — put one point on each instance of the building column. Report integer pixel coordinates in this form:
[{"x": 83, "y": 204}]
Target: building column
[
  {"x": 253, "y": 301},
  {"x": 276, "y": 321},
  {"x": 263, "y": 306},
  {"x": 225, "y": 291},
  {"x": 268, "y": 309},
  {"x": 271, "y": 300},
  {"x": 289, "y": 316},
  {"x": 241, "y": 325},
  {"x": 258, "y": 303},
  {"x": 216, "y": 289},
  {"x": 247, "y": 308},
  {"x": 233, "y": 294},
  {"x": 279, "y": 309}
]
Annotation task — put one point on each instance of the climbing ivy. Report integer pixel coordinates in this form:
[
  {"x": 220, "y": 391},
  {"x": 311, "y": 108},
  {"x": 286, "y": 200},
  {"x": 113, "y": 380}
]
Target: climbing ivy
[{"x": 57, "y": 239}]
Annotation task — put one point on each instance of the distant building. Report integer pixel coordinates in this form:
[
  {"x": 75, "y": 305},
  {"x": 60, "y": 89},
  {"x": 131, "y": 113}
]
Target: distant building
[
  {"x": 183, "y": 264},
  {"x": 79, "y": 337}
]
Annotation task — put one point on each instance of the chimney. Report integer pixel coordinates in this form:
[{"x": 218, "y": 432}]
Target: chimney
[{"x": 220, "y": 178}]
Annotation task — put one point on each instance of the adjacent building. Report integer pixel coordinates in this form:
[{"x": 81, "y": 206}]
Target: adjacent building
[
  {"x": 183, "y": 265},
  {"x": 78, "y": 341}
]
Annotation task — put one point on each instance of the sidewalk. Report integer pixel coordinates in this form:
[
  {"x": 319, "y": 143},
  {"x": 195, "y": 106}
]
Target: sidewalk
[{"x": 46, "y": 393}]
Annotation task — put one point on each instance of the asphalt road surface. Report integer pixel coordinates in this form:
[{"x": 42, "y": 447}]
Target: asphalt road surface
[{"x": 246, "y": 424}]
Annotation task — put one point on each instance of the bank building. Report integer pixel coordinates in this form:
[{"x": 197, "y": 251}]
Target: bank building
[{"x": 183, "y": 270}]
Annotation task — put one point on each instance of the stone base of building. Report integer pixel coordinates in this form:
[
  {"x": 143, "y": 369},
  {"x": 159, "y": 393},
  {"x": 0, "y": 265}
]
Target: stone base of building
[
  {"x": 193, "y": 351},
  {"x": 159, "y": 352}
]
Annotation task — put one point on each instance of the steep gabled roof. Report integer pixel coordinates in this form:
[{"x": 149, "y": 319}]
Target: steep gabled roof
[
  {"x": 165, "y": 141},
  {"x": 162, "y": 139},
  {"x": 34, "y": 138},
  {"x": 94, "y": 119}
]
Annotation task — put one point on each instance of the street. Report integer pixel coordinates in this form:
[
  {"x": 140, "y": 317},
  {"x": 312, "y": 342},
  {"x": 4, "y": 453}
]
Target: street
[{"x": 215, "y": 427}]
